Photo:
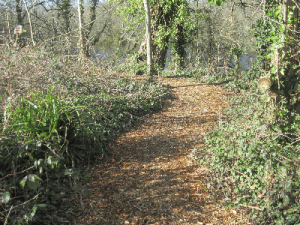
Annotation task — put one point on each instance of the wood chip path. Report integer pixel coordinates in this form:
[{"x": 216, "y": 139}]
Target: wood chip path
[{"x": 150, "y": 177}]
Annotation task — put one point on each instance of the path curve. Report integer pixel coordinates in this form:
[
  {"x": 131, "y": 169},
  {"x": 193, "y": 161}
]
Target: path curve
[{"x": 150, "y": 178}]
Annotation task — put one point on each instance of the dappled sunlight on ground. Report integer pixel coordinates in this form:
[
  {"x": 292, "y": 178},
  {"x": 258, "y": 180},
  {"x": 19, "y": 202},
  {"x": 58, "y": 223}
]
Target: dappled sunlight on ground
[{"x": 150, "y": 177}]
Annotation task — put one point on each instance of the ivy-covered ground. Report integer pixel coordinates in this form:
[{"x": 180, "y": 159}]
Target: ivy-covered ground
[
  {"x": 86, "y": 144},
  {"x": 151, "y": 176}
]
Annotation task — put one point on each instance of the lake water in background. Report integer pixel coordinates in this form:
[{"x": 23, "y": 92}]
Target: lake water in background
[{"x": 245, "y": 60}]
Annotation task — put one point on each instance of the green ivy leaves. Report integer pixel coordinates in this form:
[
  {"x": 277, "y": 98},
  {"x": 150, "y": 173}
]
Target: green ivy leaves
[
  {"x": 248, "y": 162},
  {"x": 216, "y": 2},
  {"x": 33, "y": 181},
  {"x": 5, "y": 197}
]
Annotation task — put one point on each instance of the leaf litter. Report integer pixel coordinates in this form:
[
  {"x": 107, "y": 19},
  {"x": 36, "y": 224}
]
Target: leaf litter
[{"x": 151, "y": 176}]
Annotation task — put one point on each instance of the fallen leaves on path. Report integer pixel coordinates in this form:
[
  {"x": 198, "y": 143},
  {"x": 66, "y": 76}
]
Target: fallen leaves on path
[{"x": 151, "y": 177}]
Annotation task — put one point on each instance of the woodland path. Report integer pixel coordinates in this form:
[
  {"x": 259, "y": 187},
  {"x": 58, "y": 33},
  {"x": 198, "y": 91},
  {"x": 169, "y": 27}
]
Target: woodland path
[{"x": 150, "y": 178}]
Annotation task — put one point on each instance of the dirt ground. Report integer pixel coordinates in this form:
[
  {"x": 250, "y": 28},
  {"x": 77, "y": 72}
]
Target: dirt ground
[{"x": 151, "y": 178}]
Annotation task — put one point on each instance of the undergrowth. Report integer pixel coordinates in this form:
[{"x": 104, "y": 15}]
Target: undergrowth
[
  {"x": 254, "y": 164},
  {"x": 253, "y": 157},
  {"x": 57, "y": 114}
]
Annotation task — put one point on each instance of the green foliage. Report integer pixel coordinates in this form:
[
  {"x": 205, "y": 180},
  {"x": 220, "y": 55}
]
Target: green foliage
[
  {"x": 65, "y": 9},
  {"x": 262, "y": 32},
  {"x": 253, "y": 164},
  {"x": 216, "y": 2},
  {"x": 244, "y": 80},
  {"x": 133, "y": 65},
  {"x": 253, "y": 158},
  {"x": 47, "y": 136},
  {"x": 170, "y": 21},
  {"x": 33, "y": 143},
  {"x": 277, "y": 43},
  {"x": 175, "y": 13}
]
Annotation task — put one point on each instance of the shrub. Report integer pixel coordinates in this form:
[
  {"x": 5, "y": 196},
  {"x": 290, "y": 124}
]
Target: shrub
[
  {"x": 254, "y": 164},
  {"x": 50, "y": 132}
]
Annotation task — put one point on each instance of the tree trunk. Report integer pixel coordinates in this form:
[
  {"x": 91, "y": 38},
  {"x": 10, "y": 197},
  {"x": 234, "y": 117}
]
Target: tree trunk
[
  {"x": 159, "y": 51},
  {"x": 148, "y": 34},
  {"x": 7, "y": 17},
  {"x": 289, "y": 40},
  {"x": 65, "y": 8},
  {"x": 30, "y": 25},
  {"x": 178, "y": 48},
  {"x": 19, "y": 12},
  {"x": 92, "y": 17},
  {"x": 81, "y": 36},
  {"x": 162, "y": 20}
]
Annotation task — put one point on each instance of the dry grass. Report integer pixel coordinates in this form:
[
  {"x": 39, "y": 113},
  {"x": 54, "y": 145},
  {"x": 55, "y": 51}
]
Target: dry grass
[{"x": 27, "y": 70}]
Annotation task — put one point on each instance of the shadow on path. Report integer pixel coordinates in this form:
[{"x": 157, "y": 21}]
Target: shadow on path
[{"x": 150, "y": 178}]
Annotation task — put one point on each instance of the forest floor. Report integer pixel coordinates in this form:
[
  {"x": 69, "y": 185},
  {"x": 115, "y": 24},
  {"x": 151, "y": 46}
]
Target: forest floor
[{"x": 150, "y": 177}]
